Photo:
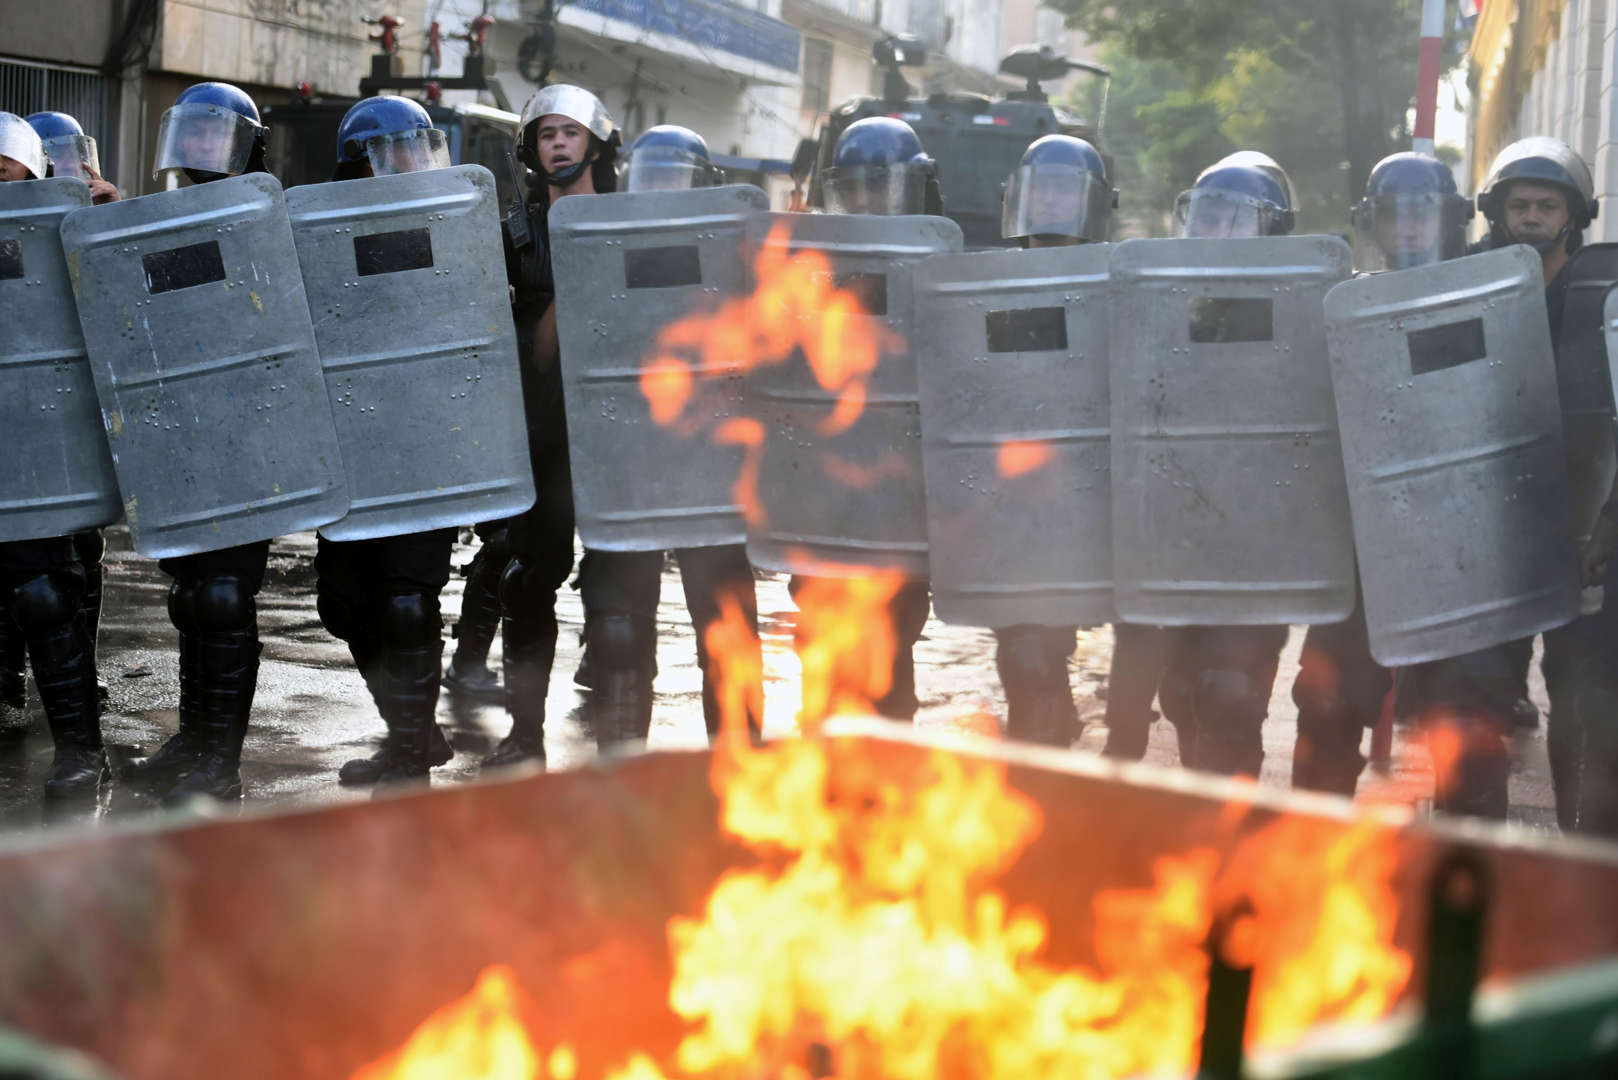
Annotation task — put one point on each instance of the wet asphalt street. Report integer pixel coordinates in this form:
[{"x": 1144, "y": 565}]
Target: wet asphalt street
[{"x": 312, "y": 712}]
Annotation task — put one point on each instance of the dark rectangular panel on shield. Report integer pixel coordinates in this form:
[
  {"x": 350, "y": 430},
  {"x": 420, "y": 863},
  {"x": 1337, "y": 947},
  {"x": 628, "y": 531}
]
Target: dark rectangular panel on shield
[
  {"x": 662, "y": 267},
  {"x": 183, "y": 267},
  {"x": 1227, "y": 320},
  {"x": 393, "y": 252},
  {"x": 871, "y": 290},
  {"x": 1029, "y": 330},
  {"x": 10, "y": 259},
  {"x": 1451, "y": 345}
]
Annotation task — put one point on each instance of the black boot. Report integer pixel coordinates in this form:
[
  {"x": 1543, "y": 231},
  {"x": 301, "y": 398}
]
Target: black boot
[
  {"x": 404, "y": 680},
  {"x": 1032, "y": 663},
  {"x": 1139, "y": 660},
  {"x": 226, "y": 677},
  {"x": 91, "y": 609},
  {"x": 530, "y": 649},
  {"x": 46, "y": 611},
  {"x": 183, "y": 750},
  {"x": 621, "y": 704},
  {"x": 474, "y": 631},
  {"x": 13, "y": 679},
  {"x": 1326, "y": 753},
  {"x": 362, "y": 772}
]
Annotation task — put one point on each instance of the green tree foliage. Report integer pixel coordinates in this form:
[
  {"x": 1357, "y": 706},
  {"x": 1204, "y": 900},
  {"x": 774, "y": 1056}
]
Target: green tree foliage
[{"x": 1323, "y": 86}]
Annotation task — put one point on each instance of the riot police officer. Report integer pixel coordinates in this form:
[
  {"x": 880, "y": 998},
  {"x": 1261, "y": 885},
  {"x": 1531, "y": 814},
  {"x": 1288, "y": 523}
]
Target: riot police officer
[
  {"x": 1216, "y": 683},
  {"x": 571, "y": 143},
  {"x": 1411, "y": 215},
  {"x": 619, "y": 589},
  {"x": 381, "y": 595},
  {"x": 42, "y": 587},
  {"x": 212, "y": 131},
  {"x": 880, "y": 167},
  {"x": 68, "y": 152},
  {"x": 72, "y": 153},
  {"x": 1540, "y": 193},
  {"x": 1059, "y": 195}
]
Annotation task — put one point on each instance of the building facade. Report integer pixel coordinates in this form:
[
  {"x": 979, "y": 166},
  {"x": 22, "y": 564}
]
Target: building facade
[
  {"x": 122, "y": 63},
  {"x": 1547, "y": 67}
]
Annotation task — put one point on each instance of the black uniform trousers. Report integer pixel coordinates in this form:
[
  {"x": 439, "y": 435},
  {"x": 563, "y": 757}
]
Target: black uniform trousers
[
  {"x": 1216, "y": 692},
  {"x": 626, "y": 585},
  {"x": 1580, "y": 664},
  {"x": 906, "y": 611},
  {"x": 355, "y": 577},
  {"x": 1339, "y": 692}
]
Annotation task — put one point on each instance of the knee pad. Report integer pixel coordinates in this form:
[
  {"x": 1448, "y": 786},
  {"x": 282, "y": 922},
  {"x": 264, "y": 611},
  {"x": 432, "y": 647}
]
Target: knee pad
[
  {"x": 1224, "y": 695},
  {"x": 622, "y": 642},
  {"x": 341, "y": 612},
  {"x": 410, "y": 619},
  {"x": 48, "y": 600},
  {"x": 1034, "y": 657},
  {"x": 522, "y": 587},
  {"x": 496, "y": 546},
  {"x": 223, "y": 602},
  {"x": 182, "y": 606}
]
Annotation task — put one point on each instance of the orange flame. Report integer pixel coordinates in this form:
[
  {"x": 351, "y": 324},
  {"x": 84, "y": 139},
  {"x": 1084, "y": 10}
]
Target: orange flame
[
  {"x": 846, "y": 643},
  {"x": 795, "y": 310},
  {"x": 1446, "y": 743},
  {"x": 666, "y": 383},
  {"x": 479, "y": 1037},
  {"x": 1020, "y": 457}
]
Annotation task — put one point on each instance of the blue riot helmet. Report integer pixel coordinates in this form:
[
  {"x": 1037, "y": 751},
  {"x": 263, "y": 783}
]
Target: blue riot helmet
[
  {"x": 1542, "y": 160},
  {"x": 20, "y": 145},
  {"x": 1059, "y": 189},
  {"x": 668, "y": 158},
  {"x": 1263, "y": 161},
  {"x": 211, "y": 131},
  {"x": 1412, "y": 215},
  {"x": 391, "y": 135},
  {"x": 72, "y": 152},
  {"x": 879, "y": 167},
  {"x": 1234, "y": 200}
]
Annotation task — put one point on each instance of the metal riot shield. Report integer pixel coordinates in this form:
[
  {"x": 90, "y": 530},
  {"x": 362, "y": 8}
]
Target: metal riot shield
[
  {"x": 205, "y": 365},
  {"x": 406, "y": 281},
  {"x": 1452, "y": 440},
  {"x": 58, "y": 477},
  {"x": 839, "y": 469},
  {"x": 651, "y": 469},
  {"x": 1228, "y": 498},
  {"x": 1583, "y": 383},
  {"x": 1015, "y": 435}
]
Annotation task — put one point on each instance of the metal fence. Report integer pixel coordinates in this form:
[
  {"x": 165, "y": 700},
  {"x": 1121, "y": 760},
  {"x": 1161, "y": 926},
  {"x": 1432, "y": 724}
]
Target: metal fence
[{"x": 30, "y": 87}]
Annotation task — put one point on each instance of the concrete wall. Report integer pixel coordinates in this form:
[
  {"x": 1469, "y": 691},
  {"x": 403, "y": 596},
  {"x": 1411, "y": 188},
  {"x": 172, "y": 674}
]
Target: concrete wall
[
  {"x": 282, "y": 42},
  {"x": 63, "y": 31}
]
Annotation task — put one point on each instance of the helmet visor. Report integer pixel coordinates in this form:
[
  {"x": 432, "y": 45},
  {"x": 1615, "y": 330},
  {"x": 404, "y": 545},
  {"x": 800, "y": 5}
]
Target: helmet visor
[
  {"x": 1405, "y": 230},
  {"x": 1214, "y": 212},
  {"x": 20, "y": 142},
  {"x": 665, "y": 168},
  {"x": 206, "y": 138},
  {"x": 1055, "y": 200},
  {"x": 73, "y": 155},
  {"x": 877, "y": 189},
  {"x": 416, "y": 150}
]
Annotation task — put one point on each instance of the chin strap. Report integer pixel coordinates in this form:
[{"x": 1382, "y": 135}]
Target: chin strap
[{"x": 565, "y": 176}]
